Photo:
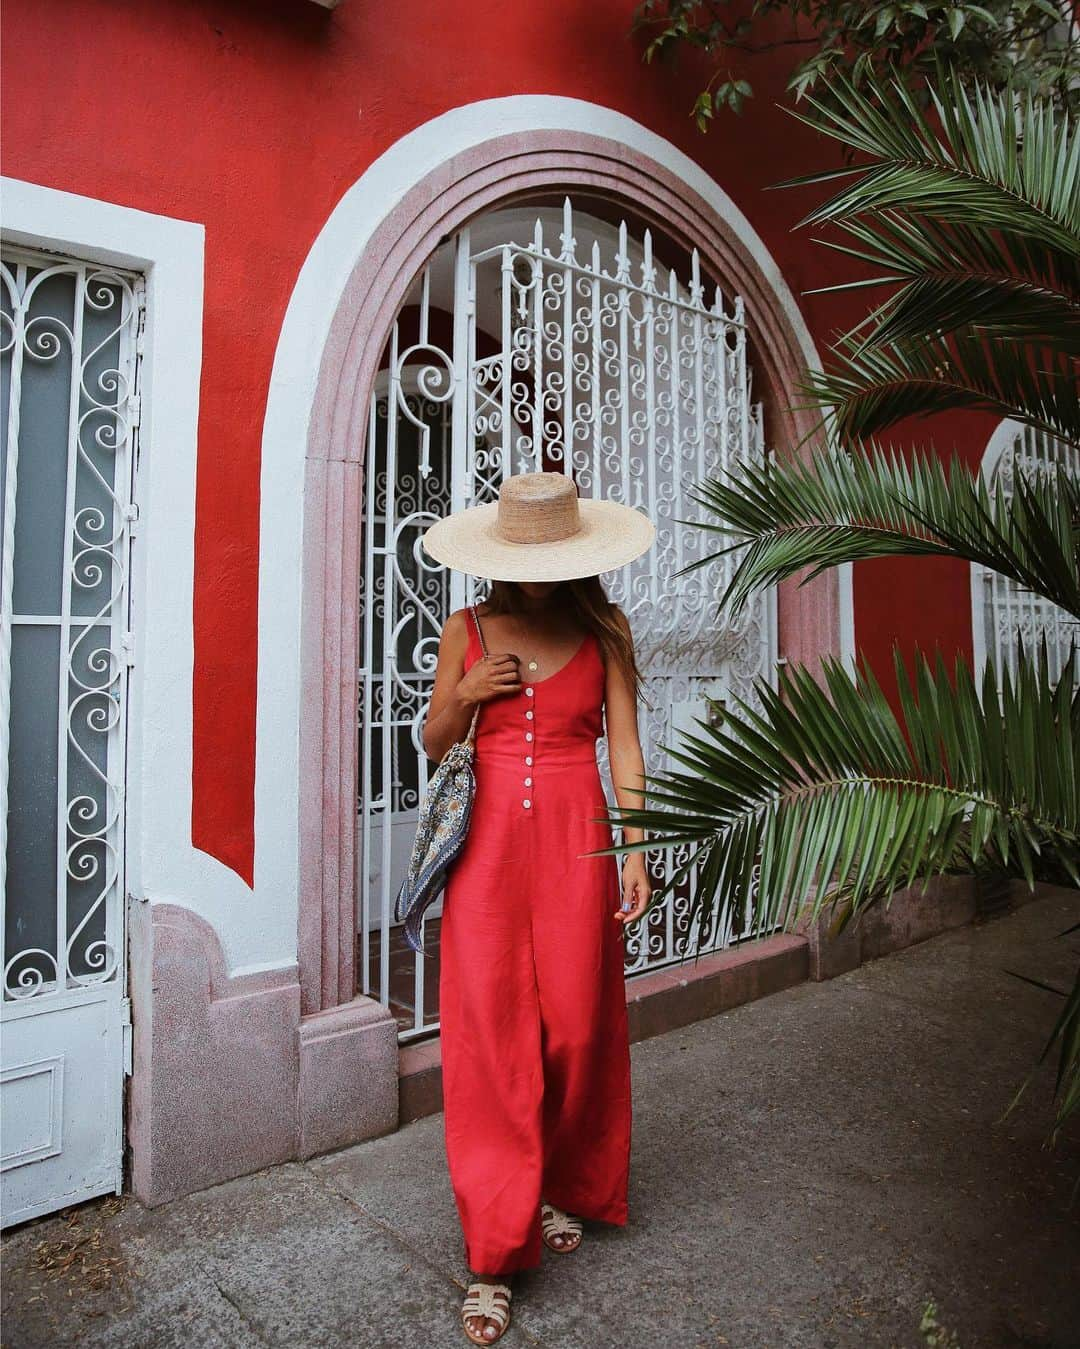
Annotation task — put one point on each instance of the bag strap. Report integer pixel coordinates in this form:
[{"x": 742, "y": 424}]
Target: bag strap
[
  {"x": 471, "y": 737},
  {"x": 479, "y": 629}
]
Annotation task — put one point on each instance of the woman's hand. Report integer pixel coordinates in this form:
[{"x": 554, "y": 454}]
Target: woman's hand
[
  {"x": 457, "y": 692},
  {"x": 490, "y": 677},
  {"x": 636, "y": 888}
]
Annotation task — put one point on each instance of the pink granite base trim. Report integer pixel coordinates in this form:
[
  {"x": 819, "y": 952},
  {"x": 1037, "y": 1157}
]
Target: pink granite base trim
[
  {"x": 912, "y": 916},
  {"x": 420, "y": 1086},
  {"x": 213, "y": 1088},
  {"x": 227, "y": 1077},
  {"x": 348, "y": 1087},
  {"x": 909, "y": 917},
  {"x": 1020, "y": 894},
  {"x": 668, "y": 999}
]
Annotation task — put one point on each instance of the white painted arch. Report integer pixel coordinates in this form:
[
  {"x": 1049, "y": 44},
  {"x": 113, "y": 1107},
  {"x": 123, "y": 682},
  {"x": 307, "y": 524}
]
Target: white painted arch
[{"x": 294, "y": 380}]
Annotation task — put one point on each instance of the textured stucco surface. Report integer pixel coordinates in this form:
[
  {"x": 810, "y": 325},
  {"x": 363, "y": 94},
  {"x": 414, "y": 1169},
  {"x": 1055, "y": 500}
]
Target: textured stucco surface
[{"x": 808, "y": 1169}]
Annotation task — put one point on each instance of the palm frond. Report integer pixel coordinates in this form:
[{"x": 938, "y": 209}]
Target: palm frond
[
  {"x": 837, "y": 507},
  {"x": 824, "y": 798},
  {"x": 952, "y": 279},
  {"x": 871, "y": 387},
  {"x": 914, "y": 244},
  {"x": 998, "y": 306},
  {"x": 972, "y": 213},
  {"x": 994, "y": 162},
  {"x": 949, "y": 761},
  {"x": 1065, "y": 1038}
]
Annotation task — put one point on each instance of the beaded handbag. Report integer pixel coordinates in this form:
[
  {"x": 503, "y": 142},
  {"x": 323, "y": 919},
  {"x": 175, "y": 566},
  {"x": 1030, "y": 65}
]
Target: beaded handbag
[{"x": 441, "y": 828}]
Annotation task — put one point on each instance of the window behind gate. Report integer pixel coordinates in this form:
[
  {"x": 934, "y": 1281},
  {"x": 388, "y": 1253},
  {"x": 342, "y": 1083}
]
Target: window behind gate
[{"x": 1003, "y": 611}]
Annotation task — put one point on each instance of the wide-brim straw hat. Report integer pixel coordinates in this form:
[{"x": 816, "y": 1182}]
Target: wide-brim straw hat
[{"x": 539, "y": 530}]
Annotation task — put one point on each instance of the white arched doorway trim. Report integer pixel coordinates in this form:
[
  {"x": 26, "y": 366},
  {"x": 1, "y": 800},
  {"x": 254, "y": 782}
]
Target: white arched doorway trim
[
  {"x": 1004, "y": 436},
  {"x": 317, "y": 399}
]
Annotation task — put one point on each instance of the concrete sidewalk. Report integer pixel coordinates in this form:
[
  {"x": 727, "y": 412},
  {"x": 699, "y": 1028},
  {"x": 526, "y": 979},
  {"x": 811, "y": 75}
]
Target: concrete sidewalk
[{"x": 807, "y": 1171}]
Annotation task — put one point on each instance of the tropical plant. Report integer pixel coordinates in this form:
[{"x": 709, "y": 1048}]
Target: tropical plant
[
  {"x": 1032, "y": 45},
  {"x": 821, "y": 798},
  {"x": 934, "y": 1334},
  {"x": 974, "y": 225}
]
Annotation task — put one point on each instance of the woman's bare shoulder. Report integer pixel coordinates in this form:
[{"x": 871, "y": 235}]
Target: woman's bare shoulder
[{"x": 455, "y": 630}]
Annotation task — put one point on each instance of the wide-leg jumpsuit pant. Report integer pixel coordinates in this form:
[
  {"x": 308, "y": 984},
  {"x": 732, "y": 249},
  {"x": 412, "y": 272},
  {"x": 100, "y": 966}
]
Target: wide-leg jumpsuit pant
[{"x": 535, "y": 1051}]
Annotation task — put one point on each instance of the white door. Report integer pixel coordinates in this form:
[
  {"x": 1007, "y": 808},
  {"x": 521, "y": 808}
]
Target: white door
[{"x": 70, "y": 336}]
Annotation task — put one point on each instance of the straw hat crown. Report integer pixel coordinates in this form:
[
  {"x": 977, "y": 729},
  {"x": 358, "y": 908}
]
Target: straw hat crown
[
  {"x": 538, "y": 508},
  {"x": 540, "y": 529}
]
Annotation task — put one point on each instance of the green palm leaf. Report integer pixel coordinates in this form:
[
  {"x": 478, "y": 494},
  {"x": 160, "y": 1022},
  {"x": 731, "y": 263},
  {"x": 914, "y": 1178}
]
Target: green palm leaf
[
  {"x": 784, "y": 517},
  {"x": 825, "y": 799},
  {"x": 993, "y": 161},
  {"x": 841, "y": 741},
  {"x": 1065, "y": 1037},
  {"x": 871, "y": 386},
  {"x": 973, "y": 215},
  {"x": 954, "y": 278}
]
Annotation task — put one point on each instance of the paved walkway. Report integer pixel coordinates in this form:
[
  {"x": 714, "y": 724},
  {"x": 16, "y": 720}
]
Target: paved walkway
[{"x": 808, "y": 1171}]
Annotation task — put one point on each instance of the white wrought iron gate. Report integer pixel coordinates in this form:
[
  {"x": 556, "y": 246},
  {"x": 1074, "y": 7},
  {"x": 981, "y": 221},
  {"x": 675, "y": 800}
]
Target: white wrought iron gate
[
  {"x": 513, "y": 353},
  {"x": 69, "y": 352},
  {"x": 1002, "y": 609}
]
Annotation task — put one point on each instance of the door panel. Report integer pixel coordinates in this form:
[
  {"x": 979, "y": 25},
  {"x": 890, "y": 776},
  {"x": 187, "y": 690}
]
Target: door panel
[{"x": 69, "y": 416}]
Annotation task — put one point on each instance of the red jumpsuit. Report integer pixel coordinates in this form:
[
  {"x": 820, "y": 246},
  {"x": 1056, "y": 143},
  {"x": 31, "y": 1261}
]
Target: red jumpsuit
[{"x": 535, "y": 1050}]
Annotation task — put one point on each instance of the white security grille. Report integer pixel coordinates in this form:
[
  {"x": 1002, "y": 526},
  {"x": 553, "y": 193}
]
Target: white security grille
[
  {"x": 547, "y": 340},
  {"x": 69, "y": 340},
  {"x": 1005, "y": 613}
]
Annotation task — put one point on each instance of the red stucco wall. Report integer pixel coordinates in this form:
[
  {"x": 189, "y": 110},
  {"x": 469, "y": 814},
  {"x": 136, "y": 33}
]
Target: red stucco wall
[{"x": 254, "y": 117}]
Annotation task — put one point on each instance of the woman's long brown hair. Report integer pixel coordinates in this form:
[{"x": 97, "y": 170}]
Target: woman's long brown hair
[{"x": 588, "y": 601}]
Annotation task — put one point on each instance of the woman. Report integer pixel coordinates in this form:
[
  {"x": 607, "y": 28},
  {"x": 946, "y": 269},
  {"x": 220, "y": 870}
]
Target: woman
[{"x": 536, "y": 1063}]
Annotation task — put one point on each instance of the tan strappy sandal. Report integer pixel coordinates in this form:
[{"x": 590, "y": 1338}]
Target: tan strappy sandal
[
  {"x": 555, "y": 1223},
  {"x": 490, "y": 1301}
]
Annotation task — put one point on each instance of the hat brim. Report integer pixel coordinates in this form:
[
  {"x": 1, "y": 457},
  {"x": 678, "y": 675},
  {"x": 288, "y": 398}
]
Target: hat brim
[{"x": 611, "y": 535}]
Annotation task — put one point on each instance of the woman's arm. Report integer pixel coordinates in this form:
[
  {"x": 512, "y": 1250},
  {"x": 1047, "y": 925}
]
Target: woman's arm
[
  {"x": 628, "y": 778},
  {"x": 456, "y": 692}
]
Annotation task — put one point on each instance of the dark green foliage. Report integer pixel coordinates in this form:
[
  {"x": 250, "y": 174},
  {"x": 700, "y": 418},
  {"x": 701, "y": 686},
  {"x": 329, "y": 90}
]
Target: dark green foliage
[
  {"x": 973, "y": 225},
  {"x": 1034, "y": 44}
]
